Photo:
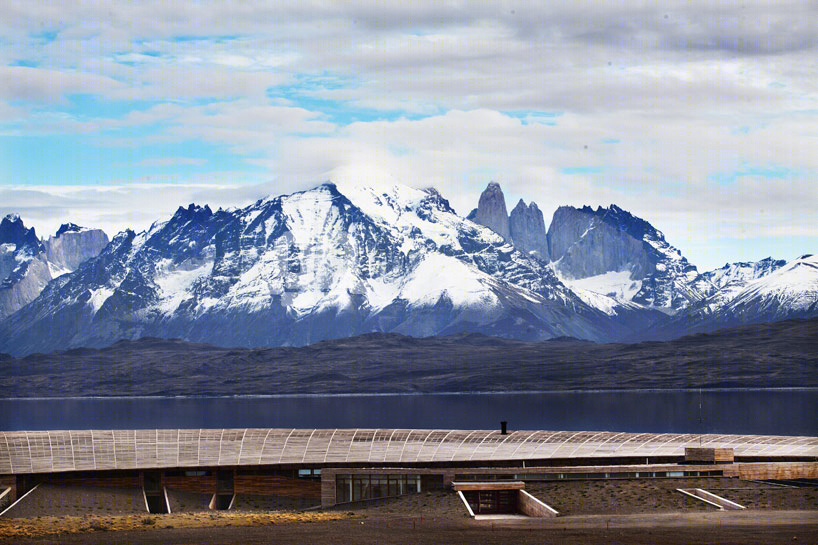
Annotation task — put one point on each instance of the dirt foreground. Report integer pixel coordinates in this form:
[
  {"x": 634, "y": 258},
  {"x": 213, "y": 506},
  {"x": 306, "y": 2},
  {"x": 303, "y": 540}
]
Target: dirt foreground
[{"x": 746, "y": 527}]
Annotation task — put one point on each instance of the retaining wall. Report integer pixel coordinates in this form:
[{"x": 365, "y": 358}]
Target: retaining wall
[{"x": 532, "y": 507}]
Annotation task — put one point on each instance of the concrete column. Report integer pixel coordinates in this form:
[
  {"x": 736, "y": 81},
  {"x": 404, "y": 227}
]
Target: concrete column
[{"x": 328, "y": 496}]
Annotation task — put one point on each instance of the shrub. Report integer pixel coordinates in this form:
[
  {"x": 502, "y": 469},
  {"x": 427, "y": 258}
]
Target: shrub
[{"x": 99, "y": 526}]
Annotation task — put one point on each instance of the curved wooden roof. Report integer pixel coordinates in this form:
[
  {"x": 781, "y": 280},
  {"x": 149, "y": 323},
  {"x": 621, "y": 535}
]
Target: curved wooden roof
[{"x": 53, "y": 451}]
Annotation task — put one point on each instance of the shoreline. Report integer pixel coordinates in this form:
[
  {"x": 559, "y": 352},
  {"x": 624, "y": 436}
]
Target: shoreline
[{"x": 420, "y": 393}]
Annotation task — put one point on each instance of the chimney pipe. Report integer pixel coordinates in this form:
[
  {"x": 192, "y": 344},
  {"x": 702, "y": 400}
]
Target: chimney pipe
[{"x": 503, "y": 428}]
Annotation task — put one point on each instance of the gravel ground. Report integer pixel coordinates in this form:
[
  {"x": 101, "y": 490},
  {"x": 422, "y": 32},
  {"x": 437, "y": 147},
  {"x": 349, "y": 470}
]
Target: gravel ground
[
  {"x": 618, "y": 497},
  {"x": 438, "y": 504},
  {"x": 771, "y": 498},
  {"x": 182, "y": 501},
  {"x": 61, "y": 500},
  {"x": 591, "y": 497},
  {"x": 263, "y": 504},
  {"x": 691, "y": 528}
]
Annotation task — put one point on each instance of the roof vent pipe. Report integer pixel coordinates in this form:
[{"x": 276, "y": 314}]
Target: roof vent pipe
[{"x": 503, "y": 428}]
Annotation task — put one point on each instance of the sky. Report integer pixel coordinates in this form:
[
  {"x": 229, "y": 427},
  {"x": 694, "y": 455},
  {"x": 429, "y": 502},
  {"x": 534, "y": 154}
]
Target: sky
[{"x": 698, "y": 116}]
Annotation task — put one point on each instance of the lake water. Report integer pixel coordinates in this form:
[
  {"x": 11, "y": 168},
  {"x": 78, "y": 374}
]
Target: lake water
[{"x": 780, "y": 412}]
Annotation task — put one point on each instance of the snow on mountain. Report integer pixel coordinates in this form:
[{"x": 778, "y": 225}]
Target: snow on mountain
[
  {"x": 784, "y": 292},
  {"x": 790, "y": 291},
  {"x": 743, "y": 272},
  {"x": 345, "y": 259},
  {"x": 617, "y": 285},
  {"x": 330, "y": 262},
  {"x": 728, "y": 281},
  {"x": 623, "y": 255}
]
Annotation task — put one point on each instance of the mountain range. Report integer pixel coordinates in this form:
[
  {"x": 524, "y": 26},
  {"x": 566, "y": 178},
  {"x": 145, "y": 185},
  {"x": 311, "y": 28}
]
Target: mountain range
[
  {"x": 770, "y": 355},
  {"x": 346, "y": 259}
]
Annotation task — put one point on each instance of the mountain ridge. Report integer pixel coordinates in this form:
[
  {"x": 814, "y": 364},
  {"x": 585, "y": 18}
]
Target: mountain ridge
[
  {"x": 297, "y": 268},
  {"x": 342, "y": 259},
  {"x": 771, "y": 355}
]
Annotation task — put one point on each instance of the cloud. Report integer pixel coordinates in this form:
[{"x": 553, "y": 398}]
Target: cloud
[
  {"x": 116, "y": 206},
  {"x": 190, "y": 82},
  {"x": 652, "y": 106},
  {"x": 10, "y": 113},
  {"x": 660, "y": 178},
  {"x": 23, "y": 83}
]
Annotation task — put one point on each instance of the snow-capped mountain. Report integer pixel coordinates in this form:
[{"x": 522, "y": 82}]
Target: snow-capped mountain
[
  {"x": 612, "y": 252},
  {"x": 727, "y": 282},
  {"x": 791, "y": 291},
  {"x": 330, "y": 262},
  {"x": 733, "y": 274},
  {"x": 785, "y": 291},
  {"x": 27, "y": 264},
  {"x": 616, "y": 262},
  {"x": 610, "y": 256},
  {"x": 341, "y": 260}
]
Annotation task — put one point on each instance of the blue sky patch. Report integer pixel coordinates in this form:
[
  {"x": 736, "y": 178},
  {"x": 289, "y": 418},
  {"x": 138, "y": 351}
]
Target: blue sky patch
[
  {"x": 47, "y": 36},
  {"x": 80, "y": 160},
  {"x": 771, "y": 172}
]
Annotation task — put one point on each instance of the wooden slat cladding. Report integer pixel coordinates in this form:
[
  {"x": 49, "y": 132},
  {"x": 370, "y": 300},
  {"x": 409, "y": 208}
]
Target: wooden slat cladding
[
  {"x": 23, "y": 452},
  {"x": 276, "y": 485},
  {"x": 779, "y": 471},
  {"x": 203, "y": 484},
  {"x": 713, "y": 455}
]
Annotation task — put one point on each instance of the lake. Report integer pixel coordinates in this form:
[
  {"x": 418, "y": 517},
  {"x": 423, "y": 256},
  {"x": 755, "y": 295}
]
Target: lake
[{"x": 778, "y": 412}]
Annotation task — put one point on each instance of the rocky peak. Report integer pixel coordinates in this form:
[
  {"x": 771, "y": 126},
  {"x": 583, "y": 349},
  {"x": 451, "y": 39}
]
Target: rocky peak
[
  {"x": 193, "y": 212},
  {"x": 439, "y": 202},
  {"x": 739, "y": 274},
  {"x": 589, "y": 243},
  {"x": 68, "y": 228},
  {"x": 491, "y": 211},
  {"x": 13, "y": 231},
  {"x": 627, "y": 222},
  {"x": 527, "y": 229},
  {"x": 23, "y": 268},
  {"x": 71, "y": 246}
]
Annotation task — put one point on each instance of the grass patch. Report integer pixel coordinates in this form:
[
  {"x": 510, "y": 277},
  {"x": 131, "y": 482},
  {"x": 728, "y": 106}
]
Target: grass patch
[{"x": 44, "y": 526}]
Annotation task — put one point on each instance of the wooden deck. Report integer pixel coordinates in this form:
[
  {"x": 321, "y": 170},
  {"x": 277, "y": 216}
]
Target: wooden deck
[{"x": 54, "y": 451}]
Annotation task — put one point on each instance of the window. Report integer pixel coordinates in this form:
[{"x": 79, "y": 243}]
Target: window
[
  {"x": 363, "y": 487},
  {"x": 309, "y": 473}
]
